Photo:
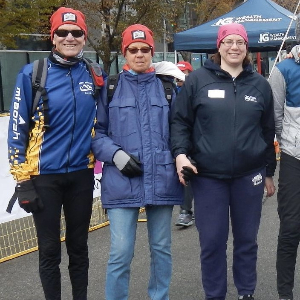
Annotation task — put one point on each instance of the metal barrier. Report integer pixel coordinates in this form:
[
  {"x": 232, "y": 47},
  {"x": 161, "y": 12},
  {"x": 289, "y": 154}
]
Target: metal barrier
[
  {"x": 18, "y": 237},
  {"x": 11, "y": 62}
]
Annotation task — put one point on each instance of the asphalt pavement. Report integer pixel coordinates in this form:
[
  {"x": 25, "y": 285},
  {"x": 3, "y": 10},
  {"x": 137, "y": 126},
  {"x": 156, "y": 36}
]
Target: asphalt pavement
[{"x": 19, "y": 278}]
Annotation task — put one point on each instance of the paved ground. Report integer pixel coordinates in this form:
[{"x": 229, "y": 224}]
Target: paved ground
[{"x": 19, "y": 277}]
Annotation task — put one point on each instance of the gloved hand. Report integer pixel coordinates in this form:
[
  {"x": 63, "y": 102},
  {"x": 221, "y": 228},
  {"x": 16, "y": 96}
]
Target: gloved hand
[
  {"x": 188, "y": 172},
  {"x": 27, "y": 197},
  {"x": 128, "y": 164}
]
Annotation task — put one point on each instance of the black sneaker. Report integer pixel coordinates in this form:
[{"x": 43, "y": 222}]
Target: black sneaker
[
  {"x": 185, "y": 219},
  {"x": 246, "y": 297}
]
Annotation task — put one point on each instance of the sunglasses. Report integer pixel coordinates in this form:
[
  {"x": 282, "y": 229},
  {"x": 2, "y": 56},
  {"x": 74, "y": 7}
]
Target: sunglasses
[
  {"x": 136, "y": 50},
  {"x": 64, "y": 33}
]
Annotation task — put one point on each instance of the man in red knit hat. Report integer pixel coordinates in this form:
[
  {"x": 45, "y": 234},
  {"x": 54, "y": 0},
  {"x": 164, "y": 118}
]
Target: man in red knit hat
[{"x": 53, "y": 167}]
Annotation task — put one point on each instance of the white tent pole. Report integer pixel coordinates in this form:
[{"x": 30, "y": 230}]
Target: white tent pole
[{"x": 285, "y": 37}]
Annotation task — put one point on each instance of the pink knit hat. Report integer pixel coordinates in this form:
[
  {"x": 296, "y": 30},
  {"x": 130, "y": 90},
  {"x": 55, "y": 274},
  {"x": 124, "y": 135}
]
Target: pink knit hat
[{"x": 231, "y": 28}]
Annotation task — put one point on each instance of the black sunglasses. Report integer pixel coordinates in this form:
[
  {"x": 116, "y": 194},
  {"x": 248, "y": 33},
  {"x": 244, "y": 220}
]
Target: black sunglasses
[
  {"x": 136, "y": 50},
  {"x": 77, "y": 33}
]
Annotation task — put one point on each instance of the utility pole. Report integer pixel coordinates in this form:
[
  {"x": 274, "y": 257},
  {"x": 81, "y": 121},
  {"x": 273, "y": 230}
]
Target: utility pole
[{"x": 164, "y": 40}]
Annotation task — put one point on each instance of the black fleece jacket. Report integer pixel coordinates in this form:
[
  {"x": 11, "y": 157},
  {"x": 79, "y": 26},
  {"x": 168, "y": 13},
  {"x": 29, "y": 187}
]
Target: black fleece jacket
[{"x": 225, "y": 124}]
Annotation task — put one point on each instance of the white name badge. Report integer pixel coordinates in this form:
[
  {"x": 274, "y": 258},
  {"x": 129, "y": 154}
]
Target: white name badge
[{"x": 216, "y": 94}]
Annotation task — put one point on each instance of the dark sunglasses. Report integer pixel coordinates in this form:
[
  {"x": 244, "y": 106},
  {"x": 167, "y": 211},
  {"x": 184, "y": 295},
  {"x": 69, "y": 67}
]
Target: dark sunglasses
[
  {"x": 136, "y": 50},
  {"x": 77, "y": 33}
]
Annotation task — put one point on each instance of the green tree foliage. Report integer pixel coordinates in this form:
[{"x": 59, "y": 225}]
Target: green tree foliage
[
  {"x": 107, "y": 19},
  {"x": 290, "y": 5},
  {"x": 21, "y": 18}
]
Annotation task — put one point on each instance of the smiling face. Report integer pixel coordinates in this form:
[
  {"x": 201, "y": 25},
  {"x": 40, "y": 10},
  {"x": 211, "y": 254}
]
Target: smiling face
[
  {"x": 233, "y": 50},
  {"x": 140, "y": 61},
  {"x": 69, "y": 46}
]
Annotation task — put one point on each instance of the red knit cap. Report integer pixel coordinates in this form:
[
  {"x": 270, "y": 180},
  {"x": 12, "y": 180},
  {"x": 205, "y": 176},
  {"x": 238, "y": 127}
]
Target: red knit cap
[
  {"x": 184, "y": 65},
  {"x": 231, "y": 28},
  {"x": 137, "y": 33},
  {"x": 66, "y": 15}
]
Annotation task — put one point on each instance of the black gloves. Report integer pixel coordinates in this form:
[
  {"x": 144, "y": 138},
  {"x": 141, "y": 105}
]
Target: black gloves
[
  {"x": 28, "y": 199},
  {"x": 128, "y": 164},
  {"x": 27, "y": 196},
  {"x": 188, "y": 172},
  {"x": 132, "y": 168}
]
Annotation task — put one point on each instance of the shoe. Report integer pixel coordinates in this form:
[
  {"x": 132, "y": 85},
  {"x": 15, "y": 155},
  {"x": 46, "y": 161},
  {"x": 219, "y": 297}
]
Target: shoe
[
  {"x": 246, "y": 297},
  {"x": 185, "y": 219}
]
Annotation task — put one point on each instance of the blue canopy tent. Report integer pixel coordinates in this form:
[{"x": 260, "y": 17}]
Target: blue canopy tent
[{"x": 265, "y": 21}]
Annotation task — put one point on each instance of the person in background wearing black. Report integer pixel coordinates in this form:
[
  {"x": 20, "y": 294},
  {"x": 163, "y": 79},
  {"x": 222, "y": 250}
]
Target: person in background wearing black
[
  {"x": 285, "y": 83},
  {"x": 186, "y": 215},
  {"x": 263, "y": 67}
]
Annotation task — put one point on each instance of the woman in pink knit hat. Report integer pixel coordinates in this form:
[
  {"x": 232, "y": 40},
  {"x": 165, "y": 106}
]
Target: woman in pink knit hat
[{"x": 223, "y": 121}]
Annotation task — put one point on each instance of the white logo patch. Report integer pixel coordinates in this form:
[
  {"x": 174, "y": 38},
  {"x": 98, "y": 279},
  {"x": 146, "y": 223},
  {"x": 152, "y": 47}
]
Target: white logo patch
[
  {"x": 138, "y": 34},
  {"x": 69, "y": 17},
  {"x": 257, "y": 179},
  {"x": 250, "y": 98},
  {"x": 86, "y": 87}
]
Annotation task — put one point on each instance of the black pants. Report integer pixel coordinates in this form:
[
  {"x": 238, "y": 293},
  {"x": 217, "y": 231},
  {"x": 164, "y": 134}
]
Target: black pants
[
  {"x": 188, "y": 199},
  {"x": 74, "y": 192},
  {"x": 289, "y": 232}
]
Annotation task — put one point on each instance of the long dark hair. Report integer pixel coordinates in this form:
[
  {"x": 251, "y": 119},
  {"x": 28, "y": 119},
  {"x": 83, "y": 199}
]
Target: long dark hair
[{"x": 217, "y": 59}]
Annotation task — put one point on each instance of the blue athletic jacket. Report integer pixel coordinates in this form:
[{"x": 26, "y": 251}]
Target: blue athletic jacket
[
  {"x": 66, "y": 145},
  {"x": 137, "y": 121}
]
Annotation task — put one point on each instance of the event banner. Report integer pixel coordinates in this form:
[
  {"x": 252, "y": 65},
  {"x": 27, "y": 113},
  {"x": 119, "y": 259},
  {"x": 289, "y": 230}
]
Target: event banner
[{"x": 7, "y": 183}]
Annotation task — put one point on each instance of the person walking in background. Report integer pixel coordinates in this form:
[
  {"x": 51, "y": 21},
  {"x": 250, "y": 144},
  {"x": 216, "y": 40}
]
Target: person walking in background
[
  {"x": 186, "y": 215},
  {"x": 132, "y": 139},
  {"x": 223, "y": 120},
  {"x": 53, "y": 166},
  {"x": 263, "y": 67},
  {"x": 285, "y": 82},
  {"x": 186, "y": 68}
]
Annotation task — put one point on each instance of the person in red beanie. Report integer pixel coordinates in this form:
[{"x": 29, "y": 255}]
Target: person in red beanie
[
  {"x": 132, "y": 139},
  {"x": 186, "y": 215},
  {"x": 223, "y": 122},
  {"x": 186, "y": 68},
  {"x": 53, "y": 164}
]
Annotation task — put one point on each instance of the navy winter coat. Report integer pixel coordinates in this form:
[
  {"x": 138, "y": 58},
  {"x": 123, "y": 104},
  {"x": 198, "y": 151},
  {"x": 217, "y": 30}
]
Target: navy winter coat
[{"x": 136, "y": 121}]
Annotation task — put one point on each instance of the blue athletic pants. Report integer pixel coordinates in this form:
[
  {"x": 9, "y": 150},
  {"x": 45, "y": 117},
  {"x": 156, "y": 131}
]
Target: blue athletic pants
[{"x": 216, "y": 202}]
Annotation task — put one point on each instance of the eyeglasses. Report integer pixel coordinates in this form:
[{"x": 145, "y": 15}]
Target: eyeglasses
[
  {"x": 64, "y": 33},
  {"x": 230, "y": 43},
  {"x": 136, "y": 50}
]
